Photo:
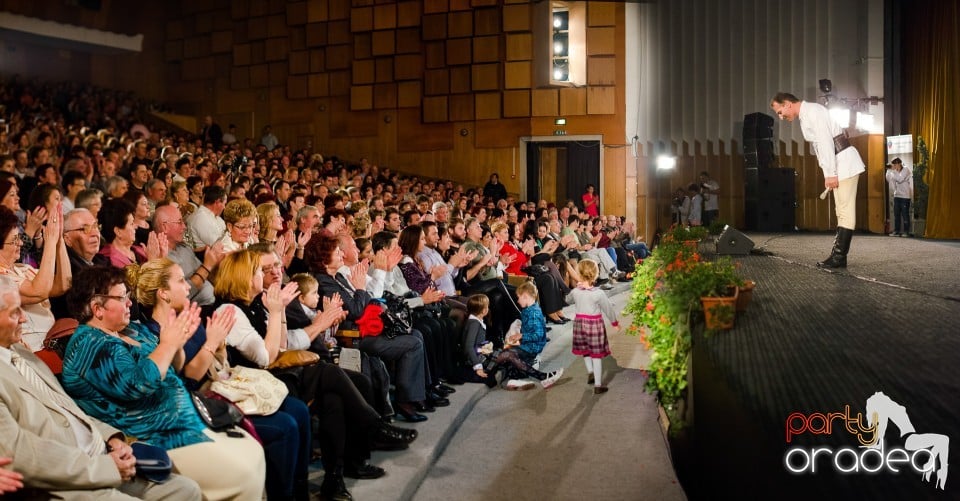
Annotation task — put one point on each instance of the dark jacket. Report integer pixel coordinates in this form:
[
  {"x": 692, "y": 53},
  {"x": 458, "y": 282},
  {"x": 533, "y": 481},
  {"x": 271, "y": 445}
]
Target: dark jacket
[{"x": 354, "y": 301}]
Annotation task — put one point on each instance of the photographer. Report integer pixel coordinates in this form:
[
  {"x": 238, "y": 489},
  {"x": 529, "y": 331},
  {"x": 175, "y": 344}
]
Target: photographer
[{"x": 900, "y": 180}]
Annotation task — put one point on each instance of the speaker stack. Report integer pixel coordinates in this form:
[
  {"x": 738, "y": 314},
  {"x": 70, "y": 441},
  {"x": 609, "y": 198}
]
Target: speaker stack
[{"x": 770, "y": 195}]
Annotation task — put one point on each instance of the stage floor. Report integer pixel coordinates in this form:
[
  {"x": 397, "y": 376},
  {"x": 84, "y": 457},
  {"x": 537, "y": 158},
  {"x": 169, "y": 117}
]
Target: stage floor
[{"x": 812, "y": 342}]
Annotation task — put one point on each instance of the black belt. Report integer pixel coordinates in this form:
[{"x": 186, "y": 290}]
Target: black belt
[{"x": 840, "y": 142}]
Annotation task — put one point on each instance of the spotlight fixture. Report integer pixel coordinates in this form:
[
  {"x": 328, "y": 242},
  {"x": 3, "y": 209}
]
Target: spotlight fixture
[
  {"x": 561, "y": 46},
  {"x": 841, "y": 116},
  {"x": 560, "y": 20},
  {"x": 826, "y": 86},
  {"x": 561, "y": 70},
  {"x": 666, "y": 162}
]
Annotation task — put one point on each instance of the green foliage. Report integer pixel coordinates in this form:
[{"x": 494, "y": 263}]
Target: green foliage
[
  {"x": 680, "y": 233},
  {"x": 666, "y": 290},
  {"x": 716, "y": 227}
]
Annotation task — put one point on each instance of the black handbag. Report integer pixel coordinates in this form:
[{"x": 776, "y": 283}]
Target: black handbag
[
  {"x": 397, "y": 315},
  {"x": 153, "y": 463},
  {"x": 217, "y": 414}
]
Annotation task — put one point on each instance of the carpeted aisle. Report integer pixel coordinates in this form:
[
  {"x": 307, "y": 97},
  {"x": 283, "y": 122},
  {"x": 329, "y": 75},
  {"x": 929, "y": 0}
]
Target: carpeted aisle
[{"x": 562, "y": 443}]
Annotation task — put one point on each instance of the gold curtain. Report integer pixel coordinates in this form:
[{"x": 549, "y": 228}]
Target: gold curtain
[{"x": 932, "y": 97}]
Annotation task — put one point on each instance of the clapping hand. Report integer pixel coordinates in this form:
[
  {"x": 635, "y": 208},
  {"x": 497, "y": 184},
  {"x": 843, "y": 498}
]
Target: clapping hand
[
  {"x": 219, "y": 326},
  {"x": 530, "y": 246},
  {"x": 304, "y": 238},
  {"x": 431, "y": 295},
  {"x": 179, "y": 327},
  {"x": 438, "y": 271},
  {"x": 54, "y": 228},
  {"x": 157, "y": 245},
  {"x": 507, "y": 259},
  {"x": 358, "y": 274},
  {"x": 213, "y": 256},
  {"x": 34, "y": 220}
]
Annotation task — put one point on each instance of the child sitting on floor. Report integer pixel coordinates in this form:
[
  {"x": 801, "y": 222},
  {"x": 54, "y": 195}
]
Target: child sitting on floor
[
  {"x": 533, "y": 330},
  {"x": 483, "y": 361}
]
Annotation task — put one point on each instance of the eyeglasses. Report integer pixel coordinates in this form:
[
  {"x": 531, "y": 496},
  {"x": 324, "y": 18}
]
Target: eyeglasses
[
  {"x": 89, "y": 229},
  {"x": 177, "y": 222},
  {"x": 126, "y": 296},
  {"x": 17, "y": 242},
  {"x": 243, "y": 227},
  {"x": 270, "y": 267}
]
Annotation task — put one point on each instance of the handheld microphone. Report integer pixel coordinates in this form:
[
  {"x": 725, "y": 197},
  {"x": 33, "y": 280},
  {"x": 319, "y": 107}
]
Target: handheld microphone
[{"x": 824, "y": 194}]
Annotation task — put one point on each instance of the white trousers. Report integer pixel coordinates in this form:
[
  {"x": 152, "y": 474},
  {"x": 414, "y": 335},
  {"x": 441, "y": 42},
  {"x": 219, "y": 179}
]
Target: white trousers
[{"x": 845, "y": 199}]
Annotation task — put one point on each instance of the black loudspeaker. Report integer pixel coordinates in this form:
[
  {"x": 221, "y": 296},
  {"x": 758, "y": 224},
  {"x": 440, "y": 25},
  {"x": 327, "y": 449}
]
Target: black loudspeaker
[
  {"x": 757, "y": 126},
  {"x": 758, "y": 153},
  {"x": 770, "y": 199},
  {"x": 732, "y": 241}
]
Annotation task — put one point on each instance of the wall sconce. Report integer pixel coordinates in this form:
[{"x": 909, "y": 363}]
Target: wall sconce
[
  {"x": 464, "y": 132},
  {"x": 387, "y": 119}
]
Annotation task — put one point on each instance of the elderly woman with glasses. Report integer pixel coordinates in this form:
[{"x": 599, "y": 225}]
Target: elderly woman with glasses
[
  {"x": 242, "y": 225},
  {"x": 36, "y": 285},
  {"x": 125, "y": 375},
  {"x": 119, "y": 231}
]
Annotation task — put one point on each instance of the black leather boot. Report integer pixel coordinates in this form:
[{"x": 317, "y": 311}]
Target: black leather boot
[
  {"x": 841, "y": 246},
  {"x": 333, "y": 488}
]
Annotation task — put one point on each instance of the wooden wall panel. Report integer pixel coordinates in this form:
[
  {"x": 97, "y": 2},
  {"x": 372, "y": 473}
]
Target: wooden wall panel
[
  {"x": 316, "y": 34},
  {"x": 461, "y": 107},
  {"x": 318, "y": 59},
  {"x": 601, "y": 70},
  {"x": 459, "y": 24},
  {"x": 259, "y": 75},
  {"x": 434, "y": 26},
  {"x": 485, "y": 76},
  {"x": 516, "y": 103},
  {"x": 573, "y": 101},
  {"x": 316, "y": 10},
  {"x": 546, "y": 102},
  {"x": 361, "y": 97},
  {"x": 363, "y": 71},
  {"x": 361, "y": 19},
  {"x": 241, "y": 54},
  {"x": 517, "y": 75},
  {"x": 353, "y": 124},
  {"x": 435, "y": 54},
  {"x": 297, "y": 87},
  {"x": 486, "y": 49},
  {"x": 460, "y": 79},
  {"x": 434, "y": 109},
  {"x": 487, "y": 105},
  {"x": 297, "y": 13},
  {"x": 339, "y": 83},
  {"x": 459, "y": 51},
  {"x": 501, "y": 133},
  {"x": 408, "y": 94},
  {"x": 337, "y": 57},
  {"x": 601, "y": 100},
  {"x": 414, "y": 135},
  {"x": 384, "y": 70},
  {"x": 408, "y": 67},
  {"x": 385, "y": 17},
  {"x": 338, "y": 32},
  {"x": 516, "y": 17},
  {"x": 486, "y": 21},
  {"x": 318, "y": 85},
  {"x": 601, "y": 41},
  {"x": 519, "y": 46},
  {"x": 408, "y": 41},
  {"x": 408, "y": 14},
  {"x": 384, "y": 43},
  {"x": 435, "y": 6},
  {"x": 436, "y": 82},
  {"x": 385, "y": 96},
  {"x": 362, "y": 45}
]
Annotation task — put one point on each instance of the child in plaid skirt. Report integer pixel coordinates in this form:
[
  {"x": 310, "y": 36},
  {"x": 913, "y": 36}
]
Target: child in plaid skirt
[{"x": 589, "y": 333}]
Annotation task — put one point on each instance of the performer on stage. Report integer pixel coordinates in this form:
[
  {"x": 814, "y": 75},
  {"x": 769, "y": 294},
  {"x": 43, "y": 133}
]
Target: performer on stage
[{"x": 841, "y": 165}]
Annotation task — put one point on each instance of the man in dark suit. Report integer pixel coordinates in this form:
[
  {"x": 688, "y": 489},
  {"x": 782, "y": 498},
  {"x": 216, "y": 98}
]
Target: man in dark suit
[{"x": 54, "y": 444}]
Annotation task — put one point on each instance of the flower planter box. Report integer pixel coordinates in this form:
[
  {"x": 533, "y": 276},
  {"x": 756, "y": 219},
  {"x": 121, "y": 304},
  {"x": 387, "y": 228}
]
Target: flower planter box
[
  {"x": 720, "y": 312},
  {"x": 746, "y": 295}
]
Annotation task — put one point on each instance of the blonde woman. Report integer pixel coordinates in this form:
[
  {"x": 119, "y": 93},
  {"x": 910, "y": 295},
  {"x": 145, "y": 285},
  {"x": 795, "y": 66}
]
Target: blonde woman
[
  {"x": 348, "y": 423},
  {"x": 241, "y": 218},
  {"x": 164, "y": 292},
  {"x": 271, "y": 224}
]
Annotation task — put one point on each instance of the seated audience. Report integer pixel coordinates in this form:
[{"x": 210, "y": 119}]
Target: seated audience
[
  {"x": 122, "y": 373},
  {"x": 49, "y": 447}
]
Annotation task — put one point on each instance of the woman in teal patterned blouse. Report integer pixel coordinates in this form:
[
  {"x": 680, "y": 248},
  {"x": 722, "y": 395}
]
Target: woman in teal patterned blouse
[{"x": 122, "y": 374}]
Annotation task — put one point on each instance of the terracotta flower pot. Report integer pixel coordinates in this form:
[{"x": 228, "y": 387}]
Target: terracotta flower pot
[
  {"x": 720, "y": 312},
  {"x": 746, "y": 295}
]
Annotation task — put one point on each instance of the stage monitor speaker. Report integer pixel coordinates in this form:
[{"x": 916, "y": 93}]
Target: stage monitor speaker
[
  {"x": 757, "y": 126},
  {"x": 732, "y": 241},
  {"x": 758, "y": 153}
]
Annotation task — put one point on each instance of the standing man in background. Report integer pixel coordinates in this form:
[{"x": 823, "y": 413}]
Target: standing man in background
[
  {"x": 840, "y": 163},
  {"x": 900, "y": 180},
  {"x": 710, "y": 189}
]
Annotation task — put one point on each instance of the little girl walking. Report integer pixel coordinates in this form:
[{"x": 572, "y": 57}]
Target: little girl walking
[{"x": 589, "y": 333}]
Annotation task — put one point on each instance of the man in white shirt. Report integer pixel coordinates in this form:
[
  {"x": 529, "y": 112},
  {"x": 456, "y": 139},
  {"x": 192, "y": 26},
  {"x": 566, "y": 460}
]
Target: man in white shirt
[
  {"x": 710, "y": 189},
  {"x": 205, "y": 226},
  {"x": 900, "y": 180},
  {"x": 841, "y": 165}
]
